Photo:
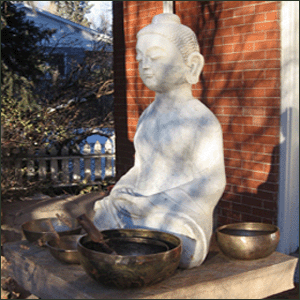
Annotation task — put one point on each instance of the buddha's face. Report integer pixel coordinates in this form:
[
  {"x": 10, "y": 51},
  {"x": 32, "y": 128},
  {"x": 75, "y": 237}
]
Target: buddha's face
[{"x": 161, "y": 65}]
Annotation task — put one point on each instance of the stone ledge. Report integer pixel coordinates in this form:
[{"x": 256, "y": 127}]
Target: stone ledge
[{"x": 217, "y": 278}]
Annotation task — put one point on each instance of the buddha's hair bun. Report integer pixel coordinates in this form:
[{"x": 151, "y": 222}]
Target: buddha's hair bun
[{"x": 169, "y": 26}]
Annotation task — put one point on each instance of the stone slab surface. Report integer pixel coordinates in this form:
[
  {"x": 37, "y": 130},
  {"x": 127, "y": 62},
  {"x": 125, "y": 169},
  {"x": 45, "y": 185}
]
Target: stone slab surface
[
  {"x": 71, "y": 206},
  {"x": 217, "y": 278},
  {"x": 19, "y": 212}
]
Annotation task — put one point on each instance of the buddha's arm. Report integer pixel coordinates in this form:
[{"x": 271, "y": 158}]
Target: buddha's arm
[
  {"x": 209, "y": 159},
  {"x": 205, "y": 188},
  {"x": 203, "y": 191},
  {"x": 127, "y": 182},
  {"x": 208, "y": 169}
]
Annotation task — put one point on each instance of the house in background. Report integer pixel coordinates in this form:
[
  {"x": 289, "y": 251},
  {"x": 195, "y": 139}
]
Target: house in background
[
  {"x": 71, "y": 41},
  {"x": 250, "y": 81}
]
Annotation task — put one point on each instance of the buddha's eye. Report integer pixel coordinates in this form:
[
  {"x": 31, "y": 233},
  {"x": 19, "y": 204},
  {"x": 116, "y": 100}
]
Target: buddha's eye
[
  {"x": 156, "y": 53},
  {"x": 154, "y": 57}
]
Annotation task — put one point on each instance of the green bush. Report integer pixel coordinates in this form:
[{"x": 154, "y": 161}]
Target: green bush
[{"x": 37, "y": 112}]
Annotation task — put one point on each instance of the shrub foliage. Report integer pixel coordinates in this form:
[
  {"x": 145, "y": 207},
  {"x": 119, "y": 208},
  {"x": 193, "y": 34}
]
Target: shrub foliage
[{"x": 39, "y": 106}]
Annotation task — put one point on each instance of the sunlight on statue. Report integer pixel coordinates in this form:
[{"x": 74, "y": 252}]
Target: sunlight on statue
[{"x": 178, "y": 174}]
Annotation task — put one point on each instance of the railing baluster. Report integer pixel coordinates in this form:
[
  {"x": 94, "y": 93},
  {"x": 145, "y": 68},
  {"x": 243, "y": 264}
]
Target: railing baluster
[
  {"x": 18, "y": 166},
  {"x": 65, "y": 165},
  {"x": 42, "y": 164},
  {"x": 30, "y": 165},
  {"x": 87, "y": 163},
  {"x": 54, "y": 164},
  {"x": 76, "y": 164},
  {"x": 76, "y": 169},
  {"x": 108, "y": 160},
  {"x": 97, "y": 150}
]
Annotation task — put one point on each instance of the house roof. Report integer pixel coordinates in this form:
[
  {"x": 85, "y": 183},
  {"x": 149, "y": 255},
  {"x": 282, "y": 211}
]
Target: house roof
[{"x": 47, "y": 18}]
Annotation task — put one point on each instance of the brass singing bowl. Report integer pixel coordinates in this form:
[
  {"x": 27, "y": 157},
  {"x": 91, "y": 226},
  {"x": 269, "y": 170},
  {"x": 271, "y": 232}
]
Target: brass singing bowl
[
  {"x": 144, "y": 257},
  {"x": 64, "y": 249},
  {"x": 247, "y": 241},
  {"x": 135, "y": 246},
  {"x": 40, "y": 230}
]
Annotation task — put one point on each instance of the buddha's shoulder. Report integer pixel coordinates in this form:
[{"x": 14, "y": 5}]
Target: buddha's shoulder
[{"x": 200, "y": 113}]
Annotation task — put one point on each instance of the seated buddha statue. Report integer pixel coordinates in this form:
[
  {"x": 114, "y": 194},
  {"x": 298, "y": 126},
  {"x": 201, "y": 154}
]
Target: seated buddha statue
[{"x": 178, "y": 174}]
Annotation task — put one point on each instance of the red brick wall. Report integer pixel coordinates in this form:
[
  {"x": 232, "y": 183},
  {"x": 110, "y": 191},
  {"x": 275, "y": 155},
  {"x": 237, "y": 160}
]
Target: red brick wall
[{"x": 240, "y": 83}]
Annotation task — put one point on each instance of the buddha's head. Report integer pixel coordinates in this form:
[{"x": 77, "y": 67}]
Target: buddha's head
[{"x": 168, "y": 54}]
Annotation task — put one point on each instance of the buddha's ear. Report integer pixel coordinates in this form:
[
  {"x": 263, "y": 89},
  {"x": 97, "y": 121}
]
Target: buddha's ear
[{"x": 195, "y": 63}]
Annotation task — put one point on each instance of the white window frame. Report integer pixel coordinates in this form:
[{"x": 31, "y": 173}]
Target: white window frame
[{"x": 288, "y": 202}]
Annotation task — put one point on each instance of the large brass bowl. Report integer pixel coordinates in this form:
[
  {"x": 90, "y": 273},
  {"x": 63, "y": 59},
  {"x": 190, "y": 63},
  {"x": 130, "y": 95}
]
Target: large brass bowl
[
  {"x": 64, "y": 249},
  {"x": 247, "y": 241},
  {"x": 142, "y": 257},
  {"x": 40, "y": 230}
]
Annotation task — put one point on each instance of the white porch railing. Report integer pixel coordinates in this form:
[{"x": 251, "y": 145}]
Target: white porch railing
[{"x": 93, "y": 164}]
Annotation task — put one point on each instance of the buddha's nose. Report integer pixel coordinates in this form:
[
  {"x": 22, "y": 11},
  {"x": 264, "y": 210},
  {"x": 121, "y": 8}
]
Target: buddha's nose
[{"x": 146, "y": 63}]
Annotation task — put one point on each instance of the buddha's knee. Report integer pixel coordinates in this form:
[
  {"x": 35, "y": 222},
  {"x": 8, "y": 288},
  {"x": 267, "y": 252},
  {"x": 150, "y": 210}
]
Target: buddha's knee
[{"x": 105, "y": 216}]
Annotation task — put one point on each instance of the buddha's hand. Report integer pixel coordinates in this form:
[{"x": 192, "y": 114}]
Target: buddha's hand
[
  {"x": 120, "y": 192},
  {"x": 137, "y": 205}
]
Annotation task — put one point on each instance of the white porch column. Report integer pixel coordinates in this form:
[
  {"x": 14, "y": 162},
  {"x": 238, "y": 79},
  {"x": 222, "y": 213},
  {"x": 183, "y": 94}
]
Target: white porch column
[
  {"x": 168, "y": 7},
  {"x": 288, "y": 205}
]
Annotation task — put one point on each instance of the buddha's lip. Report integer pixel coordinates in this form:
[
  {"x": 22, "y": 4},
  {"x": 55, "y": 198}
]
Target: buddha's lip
[{"x": 148, "y": 74}]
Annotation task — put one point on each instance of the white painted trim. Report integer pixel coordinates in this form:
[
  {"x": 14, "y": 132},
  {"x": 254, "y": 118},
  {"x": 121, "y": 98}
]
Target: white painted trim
[
  {"x": 93, "y": 33},
  {"x": 168, "y": 7},
  {"x": 288, "y": 202}
]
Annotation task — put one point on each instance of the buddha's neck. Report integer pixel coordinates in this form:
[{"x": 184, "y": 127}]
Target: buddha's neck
[{"x": 181, "y": 94}]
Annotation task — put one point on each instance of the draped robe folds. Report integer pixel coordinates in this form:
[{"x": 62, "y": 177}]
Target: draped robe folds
[{"x": 176, "y": 181}]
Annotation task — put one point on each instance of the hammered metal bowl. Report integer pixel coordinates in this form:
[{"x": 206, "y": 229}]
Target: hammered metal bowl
[
  {"x": 64, "y": 249},
  {"x": 143, "y": 258},
  {"x": 39, "y": 229},
  {"x": 247, "y": 241},
  {"x": 136, "y": 246}
]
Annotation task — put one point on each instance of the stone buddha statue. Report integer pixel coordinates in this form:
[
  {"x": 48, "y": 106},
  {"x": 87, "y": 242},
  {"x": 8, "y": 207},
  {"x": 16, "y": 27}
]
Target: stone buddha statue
[{"x": 178, "y": 174}]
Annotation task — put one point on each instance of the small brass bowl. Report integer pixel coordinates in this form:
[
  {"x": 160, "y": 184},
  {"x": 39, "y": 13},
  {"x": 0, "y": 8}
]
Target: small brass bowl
[
  {"x": 144, "y": 257},
  {"x": 39, "y": 229},
  {"x": 248, "y": 241},
  {"x": 64, "y": 249}
]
